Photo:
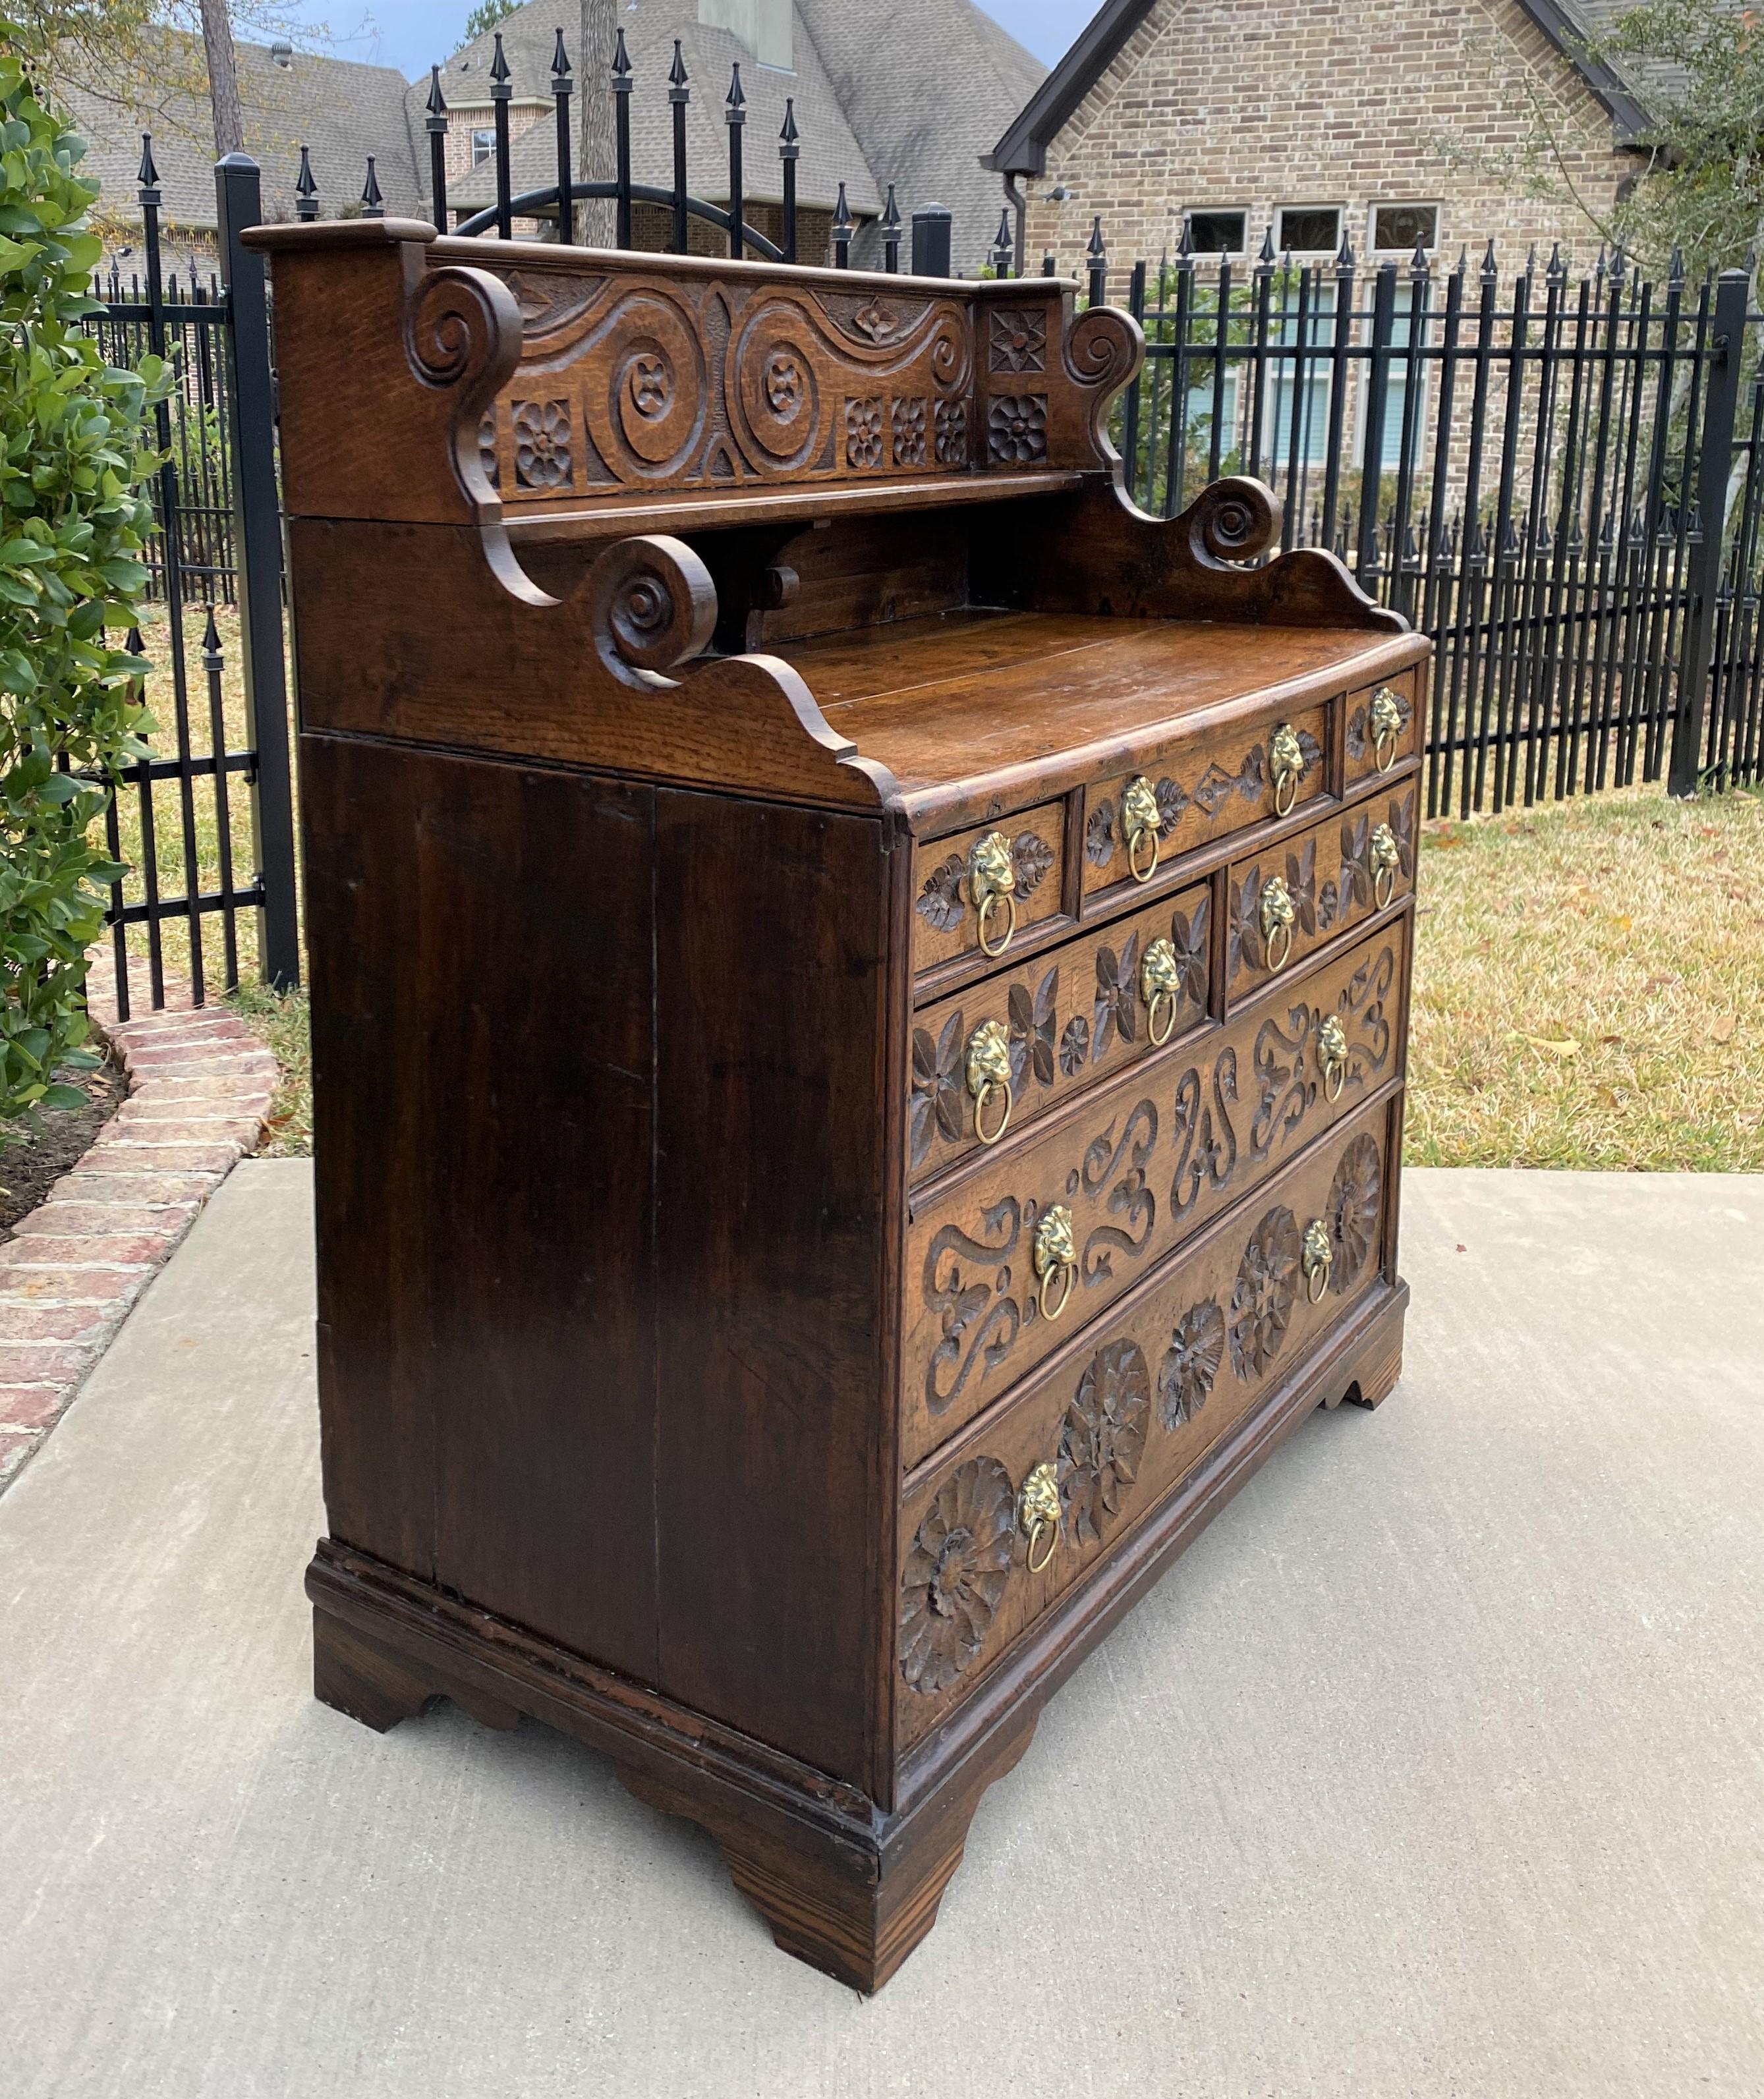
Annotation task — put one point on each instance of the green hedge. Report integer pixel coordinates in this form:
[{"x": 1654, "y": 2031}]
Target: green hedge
[{"x": 73, "y": 520}]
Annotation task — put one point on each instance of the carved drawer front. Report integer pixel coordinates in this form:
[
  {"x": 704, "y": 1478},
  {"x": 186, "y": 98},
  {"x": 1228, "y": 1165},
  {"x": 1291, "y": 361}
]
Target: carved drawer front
[
  {"x": 1138, "y": 822},
  {"x": 1381, "y": 725},
  {"x": 976, "y": 893},
  {"x": 1064, "y": 1021},
  {"x": 1002, "y": 1268},
  {"x": 992, "y": 1535},
  {"x": 1293, "y": 895}
]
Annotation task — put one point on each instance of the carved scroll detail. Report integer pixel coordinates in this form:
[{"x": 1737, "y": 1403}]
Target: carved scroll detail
[
  {"x": 1234, "y": 520},
  {"x": 654, "y": 605},
  {"x": 462, "y": 329}
]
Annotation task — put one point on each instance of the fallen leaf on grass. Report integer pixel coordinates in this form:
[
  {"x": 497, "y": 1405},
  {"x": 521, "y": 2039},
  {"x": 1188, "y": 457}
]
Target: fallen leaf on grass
[
  {"x": 1623, "y": 923},
  {"x": 1611, "y": 1099},
  {"x": 1557, "y": 1045},
  {"x": 1615, "y": 1040},
  {"x": 1722, "y": 1026},
  {"x": 1659, "y": 984}
]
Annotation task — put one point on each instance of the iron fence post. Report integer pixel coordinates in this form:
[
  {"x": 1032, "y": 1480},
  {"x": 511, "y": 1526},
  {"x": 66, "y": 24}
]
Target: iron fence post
[
  {"x": 257, "y": 518},
  {"x": 1714, "y": 466}
]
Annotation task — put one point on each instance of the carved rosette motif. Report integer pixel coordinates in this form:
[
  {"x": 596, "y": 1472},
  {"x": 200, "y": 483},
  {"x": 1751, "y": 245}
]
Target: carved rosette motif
[
  {"x": 1353, "y": 1211},
  {"x": 1017, "y": 429},
  {"x": 939, "y": 1103},
  {"x": 1103, "y": 1436},
  {"x": 907, "y": 426},
  {"x": 951, "y": 427},
  {"x": 1268, "y": 1289},
  {"x": 1017, "y": 339},
  {"x": 955, "y": 1575},
  {"x": 542, "y": 444},
  {"x": 863, "y": 433},
  {"x": 1191, "y": 1363}
]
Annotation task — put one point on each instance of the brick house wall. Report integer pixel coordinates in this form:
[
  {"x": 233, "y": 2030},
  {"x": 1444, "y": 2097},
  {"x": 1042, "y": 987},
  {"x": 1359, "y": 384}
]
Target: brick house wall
[{"x": 1257, "y": 104}]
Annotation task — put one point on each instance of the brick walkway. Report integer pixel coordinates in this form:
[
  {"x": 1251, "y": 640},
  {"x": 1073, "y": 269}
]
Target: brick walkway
[{"x": 199, "y": 1083}]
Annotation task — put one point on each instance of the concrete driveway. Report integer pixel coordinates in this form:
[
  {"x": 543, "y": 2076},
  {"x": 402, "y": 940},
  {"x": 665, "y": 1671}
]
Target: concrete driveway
[{"x": 1435, "y": 1770}]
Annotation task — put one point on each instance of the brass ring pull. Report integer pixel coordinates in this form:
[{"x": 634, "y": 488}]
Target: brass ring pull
[
  {"x": 1054, "y": 1252},
  {"x": 1385, "y": 716},
  {"x": 1065, "y": 1276},
  {"x": 1160, "y": 982},
  {"x": 994, "y": 898},
  {"x": 1386, "y": 857},
  {"x": 1278, "y": 915},
  {"x": 1286, "y": 765},
  {"x": 991, "y": 1091},
  {"x": 1332, "y": 1057},
  {"x": 1318, "y": 1254},
  {"x": 1038, "y": 1515},
  {"x": 991, "y": 880},
  {"x": 989, "y": 1076},
  {"x": 1140, "y": 820}
]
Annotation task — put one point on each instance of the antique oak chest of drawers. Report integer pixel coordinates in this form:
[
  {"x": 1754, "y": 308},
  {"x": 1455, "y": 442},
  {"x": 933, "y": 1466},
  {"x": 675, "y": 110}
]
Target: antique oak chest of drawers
[{"x": 859, "y": 989}]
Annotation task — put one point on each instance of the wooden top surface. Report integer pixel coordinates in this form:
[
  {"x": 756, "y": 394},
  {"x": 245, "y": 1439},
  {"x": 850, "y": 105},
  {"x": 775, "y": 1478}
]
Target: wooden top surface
[{"x": 966, "y": 708}]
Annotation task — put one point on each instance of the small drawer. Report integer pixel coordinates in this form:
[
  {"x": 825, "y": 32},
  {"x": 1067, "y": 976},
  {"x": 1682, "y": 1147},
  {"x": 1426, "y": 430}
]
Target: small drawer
[
  {"x": 1011, "y": 1520},
  {"x": 1139, "y": 822},
  {"x": 1117, "y": 1184},
  {"x": 1294, "y": 895},
  {"x": 1008, "y": 874},
  {"x": 1068, "y": 1018},
  {"x": 1381, "y": 725}
]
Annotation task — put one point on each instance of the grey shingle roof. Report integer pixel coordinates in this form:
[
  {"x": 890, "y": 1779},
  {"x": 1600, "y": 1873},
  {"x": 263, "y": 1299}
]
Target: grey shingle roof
[
  {"x": 342, "y": 111},
  {"x": 830, "y": 153},
  {"x": 927, "y": 86}
]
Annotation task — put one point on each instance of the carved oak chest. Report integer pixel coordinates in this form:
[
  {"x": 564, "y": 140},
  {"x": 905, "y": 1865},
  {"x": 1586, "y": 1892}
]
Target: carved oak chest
[{"x": 859, "y": 991}]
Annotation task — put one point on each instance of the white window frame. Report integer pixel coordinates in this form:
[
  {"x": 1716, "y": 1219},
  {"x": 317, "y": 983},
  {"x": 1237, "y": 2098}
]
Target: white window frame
[
  {"x": 1323, "y": 203},
  {"x": 481, "y": 136},
  {"x": 1222, "y": 211},
  {"x": 1403, "y": 203}
]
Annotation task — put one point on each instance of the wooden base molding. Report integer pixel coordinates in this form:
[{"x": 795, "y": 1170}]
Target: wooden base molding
[{"x": 841, "y": 1884}]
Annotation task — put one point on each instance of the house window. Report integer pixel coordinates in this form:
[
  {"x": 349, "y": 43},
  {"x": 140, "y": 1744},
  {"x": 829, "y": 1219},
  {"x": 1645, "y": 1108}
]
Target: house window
[
  {"x": 1308, "y": 229},
  {"x": 1216, "y": 232},
  {"x": 1401, "y": 227},
  {"x": 483, "y": 143}
]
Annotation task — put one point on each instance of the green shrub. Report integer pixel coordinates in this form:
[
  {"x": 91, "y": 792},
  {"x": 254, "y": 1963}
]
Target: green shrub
[{"x": 72, "y": 524}]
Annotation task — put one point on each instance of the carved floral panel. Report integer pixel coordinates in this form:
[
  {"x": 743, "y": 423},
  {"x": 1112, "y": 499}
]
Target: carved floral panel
[
  {"x": 1128, "y": 1417},
  {"x": 1155, "y": 1157}
]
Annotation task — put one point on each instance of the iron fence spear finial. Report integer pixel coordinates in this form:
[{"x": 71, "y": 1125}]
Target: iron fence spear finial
[
  {"x": 562, "y": 87},
  {"x": 789, "y": 150},
  {"x": 305, "y": 191},
  {"x": 372, "y": 203},
  {"x": 679, "y": 95},
  {"x": 891, "y": 233},
  {"x": 621, "y": 108},
  {"x": 735, "y": 116},
  {"x": 148, "y": 178},
  {"x": 842, "y": 230},
  {"x": 436, "y": 123}
]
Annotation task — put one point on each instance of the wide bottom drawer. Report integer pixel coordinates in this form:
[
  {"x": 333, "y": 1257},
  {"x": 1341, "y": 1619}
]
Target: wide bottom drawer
[{"x": 1019, "y": 1507}]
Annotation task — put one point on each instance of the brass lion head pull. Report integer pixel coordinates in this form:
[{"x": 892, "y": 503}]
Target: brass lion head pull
[
  {"x": 1278, "y": 917},
  {"x": 1386, "y": 858},
  {"x": 1056, "y": 1257},
  {"x": 1285, "y": 766},
  {"x": 1140, "y": 822},
  {"x": 989, "y": 1076},
  {"x": 1317, "y": 1254},
  {"x": 1385, "y": 718},
  {"x": 1160, "y": 986},
  {"x": 992, "y": 884},
  {"x": 1038, "y": 1514},
  {"x": 1332, "y": 1057}
]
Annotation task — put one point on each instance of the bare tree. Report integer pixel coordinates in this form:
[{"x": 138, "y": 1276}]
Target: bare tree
[
  {"x": 222, "y": 78},
  {"x": 596, "y": 152}
]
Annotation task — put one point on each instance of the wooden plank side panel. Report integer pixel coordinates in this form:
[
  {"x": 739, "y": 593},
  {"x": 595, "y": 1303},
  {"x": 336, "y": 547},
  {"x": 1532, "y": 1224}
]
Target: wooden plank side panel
[
  {"x": 774, "y": 1133},
  {"x": 481, "y": 1045}
]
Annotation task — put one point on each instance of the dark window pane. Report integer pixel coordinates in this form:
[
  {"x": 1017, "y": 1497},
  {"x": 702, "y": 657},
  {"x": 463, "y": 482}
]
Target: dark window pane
[
  {"x": 1216, "y": 232},
  {"x": 1402, "y": 225},
  {"x": 1310, "y": 229}
]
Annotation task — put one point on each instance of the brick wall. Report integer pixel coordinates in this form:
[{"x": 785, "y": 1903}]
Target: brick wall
[{"x": 1254, "y": 104}]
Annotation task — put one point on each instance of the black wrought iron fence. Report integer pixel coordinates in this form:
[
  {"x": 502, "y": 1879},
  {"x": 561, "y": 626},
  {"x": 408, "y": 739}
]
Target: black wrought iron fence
[
  {"x": 1545, "y": 475},
  {"x": 205, "y": 824}
]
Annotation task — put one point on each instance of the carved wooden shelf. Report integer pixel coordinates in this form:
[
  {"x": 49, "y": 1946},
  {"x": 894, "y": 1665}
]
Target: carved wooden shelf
[{"x": 951, "y": 934}]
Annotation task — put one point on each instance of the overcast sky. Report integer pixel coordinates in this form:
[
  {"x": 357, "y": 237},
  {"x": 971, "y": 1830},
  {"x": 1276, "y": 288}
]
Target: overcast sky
[{"x": 412, "y": 34}]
